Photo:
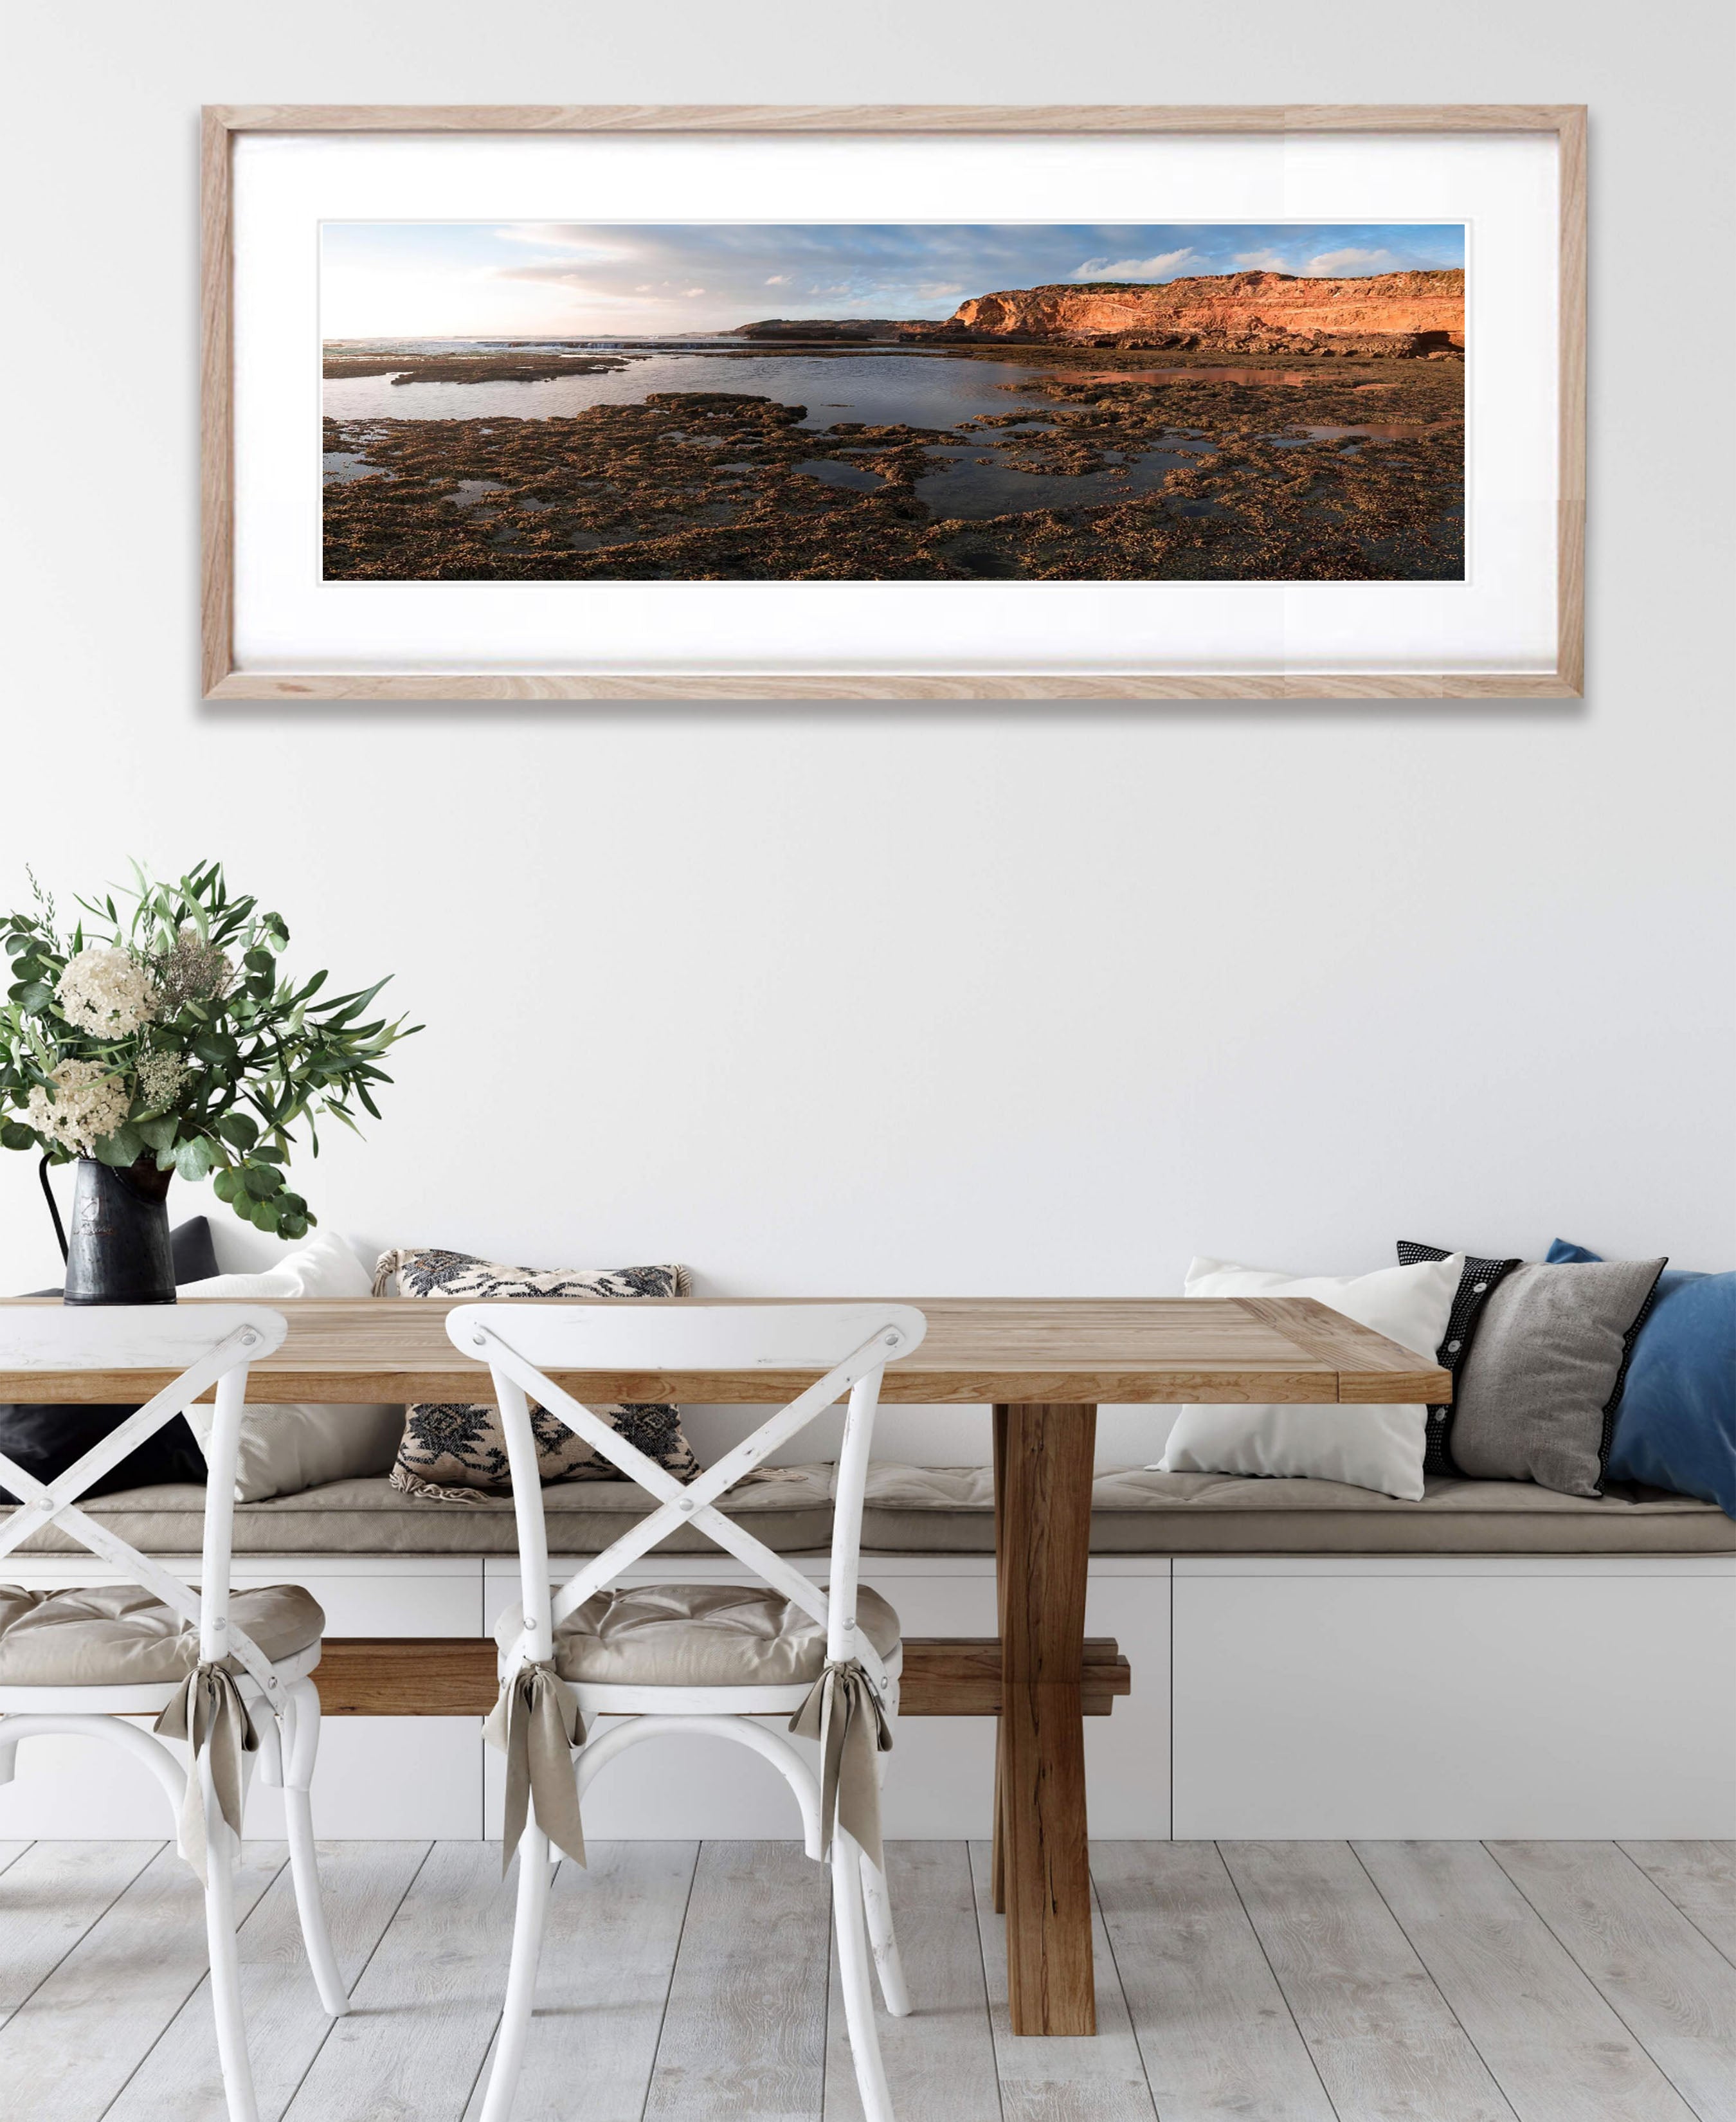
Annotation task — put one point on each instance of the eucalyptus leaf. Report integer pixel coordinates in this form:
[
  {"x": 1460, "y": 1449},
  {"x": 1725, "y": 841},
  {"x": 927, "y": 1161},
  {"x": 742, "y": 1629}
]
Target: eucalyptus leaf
[
  {"x": 124, "y": 1146},
  {"x": 194, "y": 1157}
]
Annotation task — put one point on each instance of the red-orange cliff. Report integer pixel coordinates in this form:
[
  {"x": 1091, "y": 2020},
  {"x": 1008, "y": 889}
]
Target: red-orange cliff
[{"x": 1226, "y": 308}]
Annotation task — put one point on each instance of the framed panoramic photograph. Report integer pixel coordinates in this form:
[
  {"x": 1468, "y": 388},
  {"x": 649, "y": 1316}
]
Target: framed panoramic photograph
[{"x": 791, "y": 402}]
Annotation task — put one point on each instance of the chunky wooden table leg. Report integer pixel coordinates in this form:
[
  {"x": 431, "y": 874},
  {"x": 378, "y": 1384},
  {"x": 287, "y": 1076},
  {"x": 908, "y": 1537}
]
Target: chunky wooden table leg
[{"x": 1043, "y": 1539}]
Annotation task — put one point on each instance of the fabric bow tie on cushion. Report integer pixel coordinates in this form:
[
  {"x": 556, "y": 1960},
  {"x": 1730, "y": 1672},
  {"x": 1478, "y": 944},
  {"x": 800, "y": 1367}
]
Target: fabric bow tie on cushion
[
  {"x": 536, "y": 1724},
  {"x": 208, "y": 1712},
  {"x": 845, "y": 1714}
]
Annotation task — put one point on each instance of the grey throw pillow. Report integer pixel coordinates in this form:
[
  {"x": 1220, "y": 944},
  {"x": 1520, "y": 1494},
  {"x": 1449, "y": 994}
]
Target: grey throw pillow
[{"x": 1536, "y": 1398}]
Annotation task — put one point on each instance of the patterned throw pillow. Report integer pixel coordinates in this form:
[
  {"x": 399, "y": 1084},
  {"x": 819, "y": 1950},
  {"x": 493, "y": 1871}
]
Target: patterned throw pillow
[{"x": 456, "y": 1453}]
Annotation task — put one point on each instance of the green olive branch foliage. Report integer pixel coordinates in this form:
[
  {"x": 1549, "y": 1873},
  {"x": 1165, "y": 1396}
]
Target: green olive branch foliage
[{"x": 258, "y": 1056}]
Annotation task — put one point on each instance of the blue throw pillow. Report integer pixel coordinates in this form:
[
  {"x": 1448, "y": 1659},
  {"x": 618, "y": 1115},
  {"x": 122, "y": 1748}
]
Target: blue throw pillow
[{"x": 1677, "y": 1426}]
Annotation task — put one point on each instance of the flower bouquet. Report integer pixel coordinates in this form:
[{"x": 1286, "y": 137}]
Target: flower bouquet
[{"x": 166, "y": 1039}]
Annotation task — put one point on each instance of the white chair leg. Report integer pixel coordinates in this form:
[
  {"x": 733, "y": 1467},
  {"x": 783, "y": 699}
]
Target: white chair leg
[
  {"x": 853, "y": 1977},
  {"x": 877, "y": 1903},
  {"x": 226, "y": 1970},
  {"x": 527, "y": 1948},
  {"x": 877, "y": 1900},
  {"x": 302, "y": 1750}
]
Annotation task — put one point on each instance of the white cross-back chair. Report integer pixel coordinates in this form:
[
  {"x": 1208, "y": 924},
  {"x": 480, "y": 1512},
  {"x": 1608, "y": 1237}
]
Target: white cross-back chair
[
  {"x": 680, "y": 1656},
  {"x": 228, "y": 1672}
]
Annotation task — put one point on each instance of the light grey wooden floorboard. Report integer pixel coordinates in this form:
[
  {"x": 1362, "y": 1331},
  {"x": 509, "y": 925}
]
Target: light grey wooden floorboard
[
  {"x": 1216, "y": 2035},
  {"x": 1672, "y": 1988},
  {"x": 1384, "y": 2040},
  {"x": 179, "y": 2080},
  {"x": 940, "y": 2059},
  {"x": 607, "y": 1958},
  {"x": 1700, "y": 1877},
  {"x": 1555, "y": 2047},
  {"x": 10, "y": 1852},
  {"x": 1061, "y": 2080},
  {"x": 67, "y": 2053},
  {"x": 745, "y": 2031},
  {"x": 50, "y": 1897},
  {"x": 425, "y": 2009}
]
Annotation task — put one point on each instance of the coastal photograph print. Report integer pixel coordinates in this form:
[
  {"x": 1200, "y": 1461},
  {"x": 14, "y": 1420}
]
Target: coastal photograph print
[{"x": 1195, "y": 402}]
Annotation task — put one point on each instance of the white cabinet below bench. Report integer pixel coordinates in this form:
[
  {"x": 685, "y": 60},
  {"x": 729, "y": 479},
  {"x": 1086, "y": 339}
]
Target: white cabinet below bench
[
  {"x": 1401, "y": 1698},
  {"x": 1312, "y": 1697}
]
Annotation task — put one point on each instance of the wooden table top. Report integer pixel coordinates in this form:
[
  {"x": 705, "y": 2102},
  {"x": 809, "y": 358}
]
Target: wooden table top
[{"x": 1083, "y": 1350}]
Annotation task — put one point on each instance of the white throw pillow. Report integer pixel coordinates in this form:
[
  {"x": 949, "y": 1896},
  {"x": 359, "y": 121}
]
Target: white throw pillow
[
  {"x": 1370, "y": 1448},
  {"x": 285, "y": 1450}
]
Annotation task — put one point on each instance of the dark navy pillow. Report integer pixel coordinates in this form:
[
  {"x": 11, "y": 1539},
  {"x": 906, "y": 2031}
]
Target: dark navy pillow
[
  {"x": 1677, "y": 1426},
  {"x": 45, "y": 1437},
  {"x": 1475, "y": 1286}
]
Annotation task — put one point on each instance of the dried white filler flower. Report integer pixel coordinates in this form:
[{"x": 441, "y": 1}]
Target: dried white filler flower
[
  {"x": 160, "y": 1079},
  {"x": 190, "y": 969},
  {"x": 107, "y": 992},
  {"x": 88, "y": 1103}
]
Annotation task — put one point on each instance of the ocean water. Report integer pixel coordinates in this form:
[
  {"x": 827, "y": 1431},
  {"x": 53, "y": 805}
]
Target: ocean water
[{"x": 916, "y": 390}]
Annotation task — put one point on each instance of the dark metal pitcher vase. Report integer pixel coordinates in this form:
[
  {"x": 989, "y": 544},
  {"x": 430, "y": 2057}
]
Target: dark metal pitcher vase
[{"x": 118, "y": 1248}]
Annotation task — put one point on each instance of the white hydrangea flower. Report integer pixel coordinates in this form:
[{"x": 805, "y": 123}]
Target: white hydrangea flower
[
  {"x": 107, "y": 992},
  {"x": 89, "y": 1103}
]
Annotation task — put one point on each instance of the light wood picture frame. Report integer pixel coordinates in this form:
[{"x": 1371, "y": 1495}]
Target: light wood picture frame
[{"x": 227, "y": 676}]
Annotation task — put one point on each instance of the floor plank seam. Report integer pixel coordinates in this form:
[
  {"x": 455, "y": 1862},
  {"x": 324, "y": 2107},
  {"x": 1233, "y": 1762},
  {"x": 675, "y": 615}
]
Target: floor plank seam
[
  {"x": 1687, "y": 1914},
  {"x": 1139, "y": 2046},
  {"x": 1452, "y": 2011},
  {"x": 1621, "y": 2016},
  {"x": 487, "y": 2057},
  {"x": 157, "y": 1849},
  {"x": 983, "y": 1962},
  {"x": 331, "y": 2025},
  {"x": 163, "y": 2032},
  {"x": 1308, "y": 2046},
  {"x": 668, "y": 1987}
]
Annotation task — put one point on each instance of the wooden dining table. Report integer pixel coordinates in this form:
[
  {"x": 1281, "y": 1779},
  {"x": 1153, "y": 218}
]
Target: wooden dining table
[{"x": 1044, "y": 1365}]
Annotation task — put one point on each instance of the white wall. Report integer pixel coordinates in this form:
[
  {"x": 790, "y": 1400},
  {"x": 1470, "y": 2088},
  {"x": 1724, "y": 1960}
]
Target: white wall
[{"x": 1008, "y": 999}]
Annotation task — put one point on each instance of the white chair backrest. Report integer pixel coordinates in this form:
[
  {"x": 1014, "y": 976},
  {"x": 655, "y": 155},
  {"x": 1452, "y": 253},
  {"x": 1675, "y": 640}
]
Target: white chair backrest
[
  {"x": 206, "y": 1345},
  {"x": 645, "y": 1348}
]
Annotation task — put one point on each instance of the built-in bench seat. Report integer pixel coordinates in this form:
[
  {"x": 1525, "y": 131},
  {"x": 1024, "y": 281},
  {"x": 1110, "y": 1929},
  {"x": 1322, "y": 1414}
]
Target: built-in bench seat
[
  {"x": 949, "y": 1510},
  {"x": 1306, "y": 1660}
]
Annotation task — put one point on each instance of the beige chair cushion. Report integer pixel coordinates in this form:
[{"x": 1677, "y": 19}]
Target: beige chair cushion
[
  {"x": 698, "y": 1635},
  {"x": 121, "y": 1635}
]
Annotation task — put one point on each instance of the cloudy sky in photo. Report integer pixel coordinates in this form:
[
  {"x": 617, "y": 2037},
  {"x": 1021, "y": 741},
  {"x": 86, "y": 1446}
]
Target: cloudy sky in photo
[{"x": 489, "y": 279}]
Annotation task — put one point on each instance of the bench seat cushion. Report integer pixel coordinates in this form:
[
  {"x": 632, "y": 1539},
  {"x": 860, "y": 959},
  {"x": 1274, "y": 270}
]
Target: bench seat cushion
[
  {"x": 949, "y": 1510},
  {"x": 368, "y": 1516},
  {"x": 698, "y": 1635},
  {"x": 121, "y": 1635}
]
